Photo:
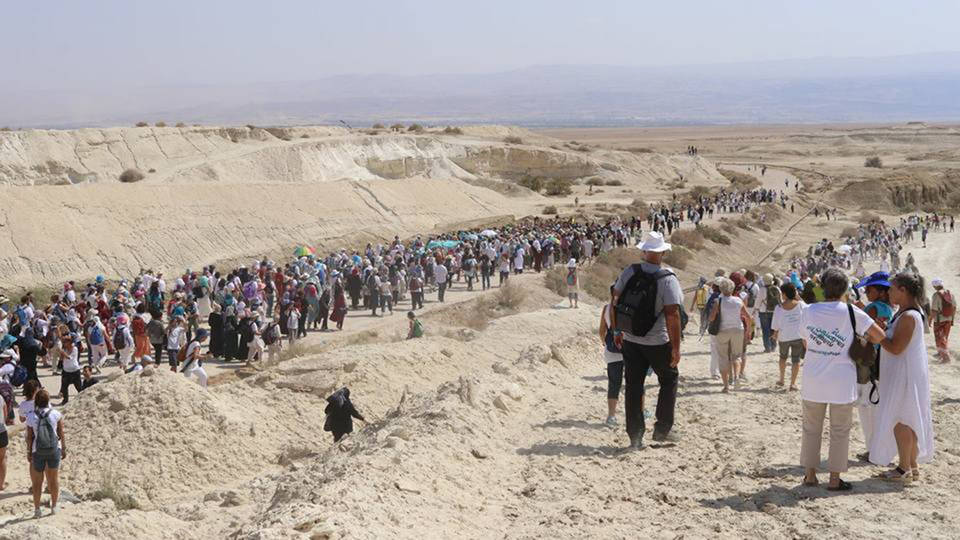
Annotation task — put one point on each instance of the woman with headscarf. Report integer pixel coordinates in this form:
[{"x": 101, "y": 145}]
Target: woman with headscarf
[
  {"x": 339, "y": 304},
  {"x": 30, "y": 350},
  {"x": 340, "y": 414},
  {"x": 215, "y": 320},
  {"x": 231, "y": 336}
]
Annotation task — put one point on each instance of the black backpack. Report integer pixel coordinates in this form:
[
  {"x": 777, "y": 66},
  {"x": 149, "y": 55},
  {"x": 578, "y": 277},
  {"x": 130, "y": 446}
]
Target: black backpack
[
  {"x": 636, "y": 307},
  {"x": 119, "y": 339}
]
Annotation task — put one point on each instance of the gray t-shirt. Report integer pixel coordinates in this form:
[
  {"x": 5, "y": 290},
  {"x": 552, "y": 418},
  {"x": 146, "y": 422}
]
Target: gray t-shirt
[{"x": 669, "y": 293}]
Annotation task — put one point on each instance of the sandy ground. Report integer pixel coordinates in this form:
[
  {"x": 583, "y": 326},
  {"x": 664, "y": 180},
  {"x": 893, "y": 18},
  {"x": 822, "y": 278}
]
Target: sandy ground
[{"x": 481, "y": 433}]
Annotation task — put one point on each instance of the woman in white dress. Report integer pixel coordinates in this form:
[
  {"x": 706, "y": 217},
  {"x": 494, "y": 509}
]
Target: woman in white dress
[{"x": 902, "y": 422}]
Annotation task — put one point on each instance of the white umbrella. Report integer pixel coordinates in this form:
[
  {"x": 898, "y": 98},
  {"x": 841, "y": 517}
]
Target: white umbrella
[
  {"x": 488, "y": 233},
  {"x": 845, "y": 248}
]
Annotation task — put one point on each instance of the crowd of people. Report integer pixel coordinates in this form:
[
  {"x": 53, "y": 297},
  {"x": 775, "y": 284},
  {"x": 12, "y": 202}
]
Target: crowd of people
[
  {"x": 820, "y": 312},
  {"x": 245, "y": 313}
]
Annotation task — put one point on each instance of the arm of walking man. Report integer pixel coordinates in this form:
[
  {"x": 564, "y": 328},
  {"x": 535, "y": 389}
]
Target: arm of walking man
[{"x": 672, "y": 315}]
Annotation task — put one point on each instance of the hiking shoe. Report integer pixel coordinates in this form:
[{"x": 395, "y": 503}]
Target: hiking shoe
[
  {"x": 53, "y": 510},
  {"x": 37, "y": 514},
  {"x": 660, "y": 436},
  {"x": 636, "y": 442},
  {"x": 611, "y": 421}
]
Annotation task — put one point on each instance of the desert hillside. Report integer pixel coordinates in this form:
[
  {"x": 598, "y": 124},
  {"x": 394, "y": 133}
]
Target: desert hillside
[{"x": 216, "y": 194}]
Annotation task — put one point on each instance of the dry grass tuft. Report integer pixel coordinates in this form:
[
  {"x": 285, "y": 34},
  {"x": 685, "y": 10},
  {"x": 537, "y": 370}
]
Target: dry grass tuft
[
  {"x": 512, "y": 139},
  {"x": 690, "y": 239},
  {"x": 713, "y": 235}
]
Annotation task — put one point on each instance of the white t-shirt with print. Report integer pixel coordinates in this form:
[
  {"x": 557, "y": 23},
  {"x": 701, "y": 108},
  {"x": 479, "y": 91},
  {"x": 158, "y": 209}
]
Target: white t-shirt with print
[
  {"x": 787, "y": 321},
  {"x": 829, "y": 375}
]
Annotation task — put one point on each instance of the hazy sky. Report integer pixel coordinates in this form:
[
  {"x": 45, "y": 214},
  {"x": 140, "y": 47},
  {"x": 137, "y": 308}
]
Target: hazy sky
[{"x": 64, "y": 43}]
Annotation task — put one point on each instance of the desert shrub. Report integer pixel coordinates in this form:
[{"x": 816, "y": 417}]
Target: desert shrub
[
  {"x": 161, "y": 124},
  {"x": 377, "y": 126},
  {"x": 849, "y": 232},
  {"x": 678, "y": 257},
  {"x": 550, "y": 210},
  {"x": 874, "y": 162},
  {"x": 152, "y": 170},
  {"x": 130, "y": 176},
  {"x": 415, "y": 128},
  {"x": 558, "y": 187},
  {"x": 397, "y": 127},
  {"x": 595, "y": 181},
  {"x": 740, "y": 181},
  {"x": 555, "y": 279},
  {"x": 111, "y": 487},
  {"x": 512, "y": 139},
  {"x": 744, "y": 223},
  {"x": 5, "y": 128},
  {"x": 142, "y": 124},
  {"x": 713, "y": 235},
  {"x": 640, "y": 150},
  {"x": 452, "y": 130},
  {"x": 181, "y": 125},
  {"x": 637, "y": 208},
  {"x": 691, "y": 239},
  {"x": 533, "y": 183},
  {"x": 729, "y": 228},
  {"x": 251, "y": 127},
  {"x": 305, "y": 136},
  {"x": 614, "y": 183},
  {"x": 511, "y": 294},
  {"x": 582, "y": 148}
]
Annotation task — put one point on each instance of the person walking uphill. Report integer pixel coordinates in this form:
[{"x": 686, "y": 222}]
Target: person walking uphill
[
  {"x": 646, "y": 319},
  {"x": 340, "y": 414},
  {"x": 943, "y": 307}
]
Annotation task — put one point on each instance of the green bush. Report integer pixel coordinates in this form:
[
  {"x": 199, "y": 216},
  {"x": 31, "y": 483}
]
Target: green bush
[
  {"x": 532, "y": 183},
  {"x": 452, "y": 131},
  {"x": 595, "y": 181},
  {"x": 550, "y": 210},
  {"x": 874, "y": 162},
  {"x": 614, "y": 183},
  {"x": 415, "y": 128},
  {"x": 558, "y": 187}
]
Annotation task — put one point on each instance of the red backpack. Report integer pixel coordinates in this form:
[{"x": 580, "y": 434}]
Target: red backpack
[{"x": 949, "y": 306}]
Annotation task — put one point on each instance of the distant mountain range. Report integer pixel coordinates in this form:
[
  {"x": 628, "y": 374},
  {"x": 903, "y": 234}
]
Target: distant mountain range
[{"x": 921, "y": 87}]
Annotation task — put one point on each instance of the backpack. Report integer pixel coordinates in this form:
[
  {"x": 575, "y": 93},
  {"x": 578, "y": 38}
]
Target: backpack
[
  {"x": 19, "y": 376},
  {"x": 45, "y": 436},
  {"x": 636, "y": 307},
  {"x": 198, "y": 292},
  {"x": 270, "y": 334},
  {"x": 372, "y": 282},
  {"x": 773, "y": 297},
  {"x": 182, "y": 354},
  {"x": 949, "y": 306},
  {"x": 751, "y": 296},
  {"x": 119, "y": 339},
  {"x": 96, "y": 335}
]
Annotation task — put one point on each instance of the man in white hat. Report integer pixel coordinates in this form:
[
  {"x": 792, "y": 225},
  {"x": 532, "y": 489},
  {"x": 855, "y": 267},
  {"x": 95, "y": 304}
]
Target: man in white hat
[
  {"x": 942, "y": 309},
  {"x": 647, "y": 329}
]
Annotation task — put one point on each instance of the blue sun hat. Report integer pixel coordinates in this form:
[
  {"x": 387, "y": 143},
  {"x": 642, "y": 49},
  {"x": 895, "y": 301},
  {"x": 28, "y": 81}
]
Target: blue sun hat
[{"x": 881, "y": 279}]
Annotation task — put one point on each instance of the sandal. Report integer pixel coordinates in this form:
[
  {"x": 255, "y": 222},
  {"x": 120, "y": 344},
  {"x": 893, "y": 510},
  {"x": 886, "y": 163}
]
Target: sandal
[
  {"x": 897, "y": 475},
  {"x": 811, "y": 483},
  {"x": 779, "y": 384},
  {"x": 842, "y": 485}
]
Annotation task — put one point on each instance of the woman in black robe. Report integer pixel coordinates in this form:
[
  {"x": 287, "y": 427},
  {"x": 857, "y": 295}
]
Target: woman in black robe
[
  {"x": 340, "y": 414},
  {"x": 231, "y": 338},
  {"x": 215, "y": 320},
  {"x": 243, "y": 328}
]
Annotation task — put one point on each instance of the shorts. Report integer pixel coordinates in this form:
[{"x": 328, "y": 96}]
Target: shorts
[
  {"x": 41, "y": 463},
  {"x": 793, "y": 348},
  {"x": 4, "y": 439},
  {"x": 572, "y": 296}
]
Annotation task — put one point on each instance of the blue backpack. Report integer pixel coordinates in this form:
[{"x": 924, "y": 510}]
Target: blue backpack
[
  {"x": 19, "y": 376},
  {"x": 96, "y": 336}
]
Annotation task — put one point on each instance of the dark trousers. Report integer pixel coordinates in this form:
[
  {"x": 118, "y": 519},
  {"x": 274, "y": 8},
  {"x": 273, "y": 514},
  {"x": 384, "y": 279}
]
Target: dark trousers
[
  {"x": 375, "y": 302},
  {"x": 766, "y": 320},
  {"x": 158, "y": 353},
  {"x": 441, "y": 288},
  {"x": 416, "y": 299},
  {"x": 636, "y": 360},
  {"x": 66, "y": 379}
]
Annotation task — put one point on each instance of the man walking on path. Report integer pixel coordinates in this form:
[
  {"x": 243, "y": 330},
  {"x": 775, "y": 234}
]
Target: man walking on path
[
  {"x": 942, "y": 309},
  {"x": 648, "y": 333}
]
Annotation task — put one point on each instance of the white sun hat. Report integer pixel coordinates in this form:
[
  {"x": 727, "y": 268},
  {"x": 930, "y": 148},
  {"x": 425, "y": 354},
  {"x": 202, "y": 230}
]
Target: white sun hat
[{"x": 654, "y": 242}]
